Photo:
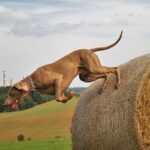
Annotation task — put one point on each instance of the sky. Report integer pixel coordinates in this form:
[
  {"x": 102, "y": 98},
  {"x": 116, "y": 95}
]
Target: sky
[{"x": 38, "y": 32}]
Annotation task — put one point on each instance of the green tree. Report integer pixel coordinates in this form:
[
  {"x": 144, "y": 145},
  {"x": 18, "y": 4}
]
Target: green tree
[{"x": 27, "y": 102}]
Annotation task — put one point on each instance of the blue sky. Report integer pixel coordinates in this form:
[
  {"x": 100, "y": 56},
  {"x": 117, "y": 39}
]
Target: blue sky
[{"x": 38, "y": 32}]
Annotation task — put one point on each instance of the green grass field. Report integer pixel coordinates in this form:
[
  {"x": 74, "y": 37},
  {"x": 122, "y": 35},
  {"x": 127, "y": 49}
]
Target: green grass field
[
  {"x": 47, "y": 125},
  {"x": 56, "y": 144}
]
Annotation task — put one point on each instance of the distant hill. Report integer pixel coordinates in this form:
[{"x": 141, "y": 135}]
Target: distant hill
[
  {"x": 77, "y": 89},
  {"x": 45, "y": 121}
]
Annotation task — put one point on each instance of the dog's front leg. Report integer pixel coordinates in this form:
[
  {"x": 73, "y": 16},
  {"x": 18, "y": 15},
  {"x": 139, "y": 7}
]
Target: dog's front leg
[{"x": 60, "y": 97}]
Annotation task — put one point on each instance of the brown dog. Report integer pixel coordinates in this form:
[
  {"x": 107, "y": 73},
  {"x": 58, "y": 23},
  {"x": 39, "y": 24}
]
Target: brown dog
[{"x": 56, "y": 77}]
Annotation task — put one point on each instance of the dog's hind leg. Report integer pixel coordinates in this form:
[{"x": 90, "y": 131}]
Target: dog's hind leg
[
  {"x": 106, "y": 70},
  {"x": 93, "y": 65},
  {"x": 89, "y": 77}
]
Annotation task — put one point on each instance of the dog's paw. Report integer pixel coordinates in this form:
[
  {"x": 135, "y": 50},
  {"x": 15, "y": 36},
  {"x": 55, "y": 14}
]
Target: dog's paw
[
  {"x": 118, "y": 85},
  {"x": 71, "y": 94},
  {"x": 101, "y": 91},
  {"x": 58, "y": 100},
  {"x": 64, "y": 101}
]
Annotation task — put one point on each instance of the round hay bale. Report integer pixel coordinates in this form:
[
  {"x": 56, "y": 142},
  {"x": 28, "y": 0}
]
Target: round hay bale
[{"x": 117, "y": 119}]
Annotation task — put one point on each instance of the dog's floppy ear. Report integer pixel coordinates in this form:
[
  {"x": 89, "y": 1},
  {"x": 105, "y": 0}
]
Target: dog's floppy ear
[{"x": 21, "y": 86}]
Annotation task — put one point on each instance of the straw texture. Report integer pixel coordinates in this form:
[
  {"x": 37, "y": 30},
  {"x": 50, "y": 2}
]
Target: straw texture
[{"x": 117, "y": 119}]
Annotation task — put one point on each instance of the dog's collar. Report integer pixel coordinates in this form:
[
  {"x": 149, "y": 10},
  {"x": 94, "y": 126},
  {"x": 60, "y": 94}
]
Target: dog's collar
[{"x": 32, "y": 85}]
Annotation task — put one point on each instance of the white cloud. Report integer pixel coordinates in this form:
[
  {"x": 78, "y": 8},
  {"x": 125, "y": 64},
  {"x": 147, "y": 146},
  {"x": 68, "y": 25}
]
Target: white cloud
[
  {"x": 3, "y": 9},
  {"x": 9, "y": 16},
  {"x": 56, "y": 18},
  {"x": 20, "y": 16},
  {"x": 41, "y": 28},
  {"x": 46, "y": 10},
  {"x": 80, "y": 17}
]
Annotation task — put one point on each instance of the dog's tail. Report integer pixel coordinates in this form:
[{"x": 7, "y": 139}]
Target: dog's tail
[{"x": 107, "y": 47}]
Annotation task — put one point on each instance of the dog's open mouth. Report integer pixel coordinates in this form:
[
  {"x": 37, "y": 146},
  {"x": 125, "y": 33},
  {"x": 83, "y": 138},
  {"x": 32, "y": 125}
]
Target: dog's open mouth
[{"x": 13, "y": 104}]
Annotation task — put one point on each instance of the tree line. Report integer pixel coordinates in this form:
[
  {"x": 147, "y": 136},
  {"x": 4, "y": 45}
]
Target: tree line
[{"x": 29, "y": 101}]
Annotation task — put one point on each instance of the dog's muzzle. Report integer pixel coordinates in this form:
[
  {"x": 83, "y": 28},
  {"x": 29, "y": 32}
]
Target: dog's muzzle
[{"x": 10, "y": 103}]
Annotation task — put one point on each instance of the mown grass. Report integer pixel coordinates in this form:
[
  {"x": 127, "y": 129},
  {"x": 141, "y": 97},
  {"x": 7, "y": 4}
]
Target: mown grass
[
  {"x": 42, "y": 122},
  {"x": 55, "y": 144}
]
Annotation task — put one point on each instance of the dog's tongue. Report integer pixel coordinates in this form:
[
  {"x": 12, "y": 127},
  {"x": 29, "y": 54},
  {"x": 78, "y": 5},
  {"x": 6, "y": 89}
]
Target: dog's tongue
[{"x": 15, "y": 105}]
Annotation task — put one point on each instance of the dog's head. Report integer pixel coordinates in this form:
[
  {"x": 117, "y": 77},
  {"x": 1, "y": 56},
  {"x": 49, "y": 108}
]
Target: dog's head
[{"x": 15, "y": 94}]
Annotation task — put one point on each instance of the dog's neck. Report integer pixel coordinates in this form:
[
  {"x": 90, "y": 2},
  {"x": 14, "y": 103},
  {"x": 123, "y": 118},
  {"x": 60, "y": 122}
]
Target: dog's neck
[{"x": 30, "y": 83}]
